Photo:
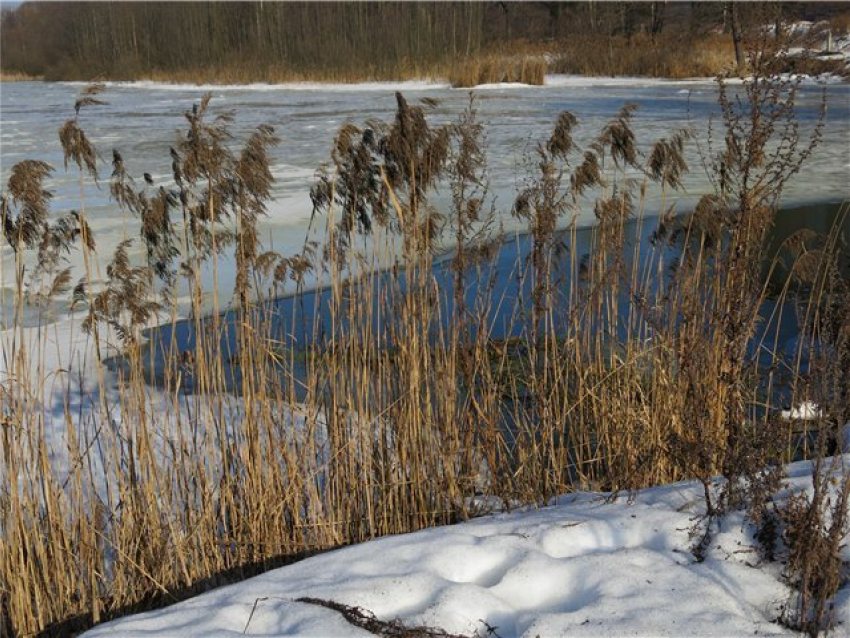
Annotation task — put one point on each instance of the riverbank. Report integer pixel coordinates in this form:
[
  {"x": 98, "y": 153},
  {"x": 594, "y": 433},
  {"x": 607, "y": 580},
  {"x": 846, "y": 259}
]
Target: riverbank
[
  {"x": 812, "y": 50},
  {"x": 586, "y": 564}
]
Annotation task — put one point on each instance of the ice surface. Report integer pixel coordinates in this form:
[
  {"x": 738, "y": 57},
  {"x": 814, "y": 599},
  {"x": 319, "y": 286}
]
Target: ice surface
[{"x": 143, "y": 120}]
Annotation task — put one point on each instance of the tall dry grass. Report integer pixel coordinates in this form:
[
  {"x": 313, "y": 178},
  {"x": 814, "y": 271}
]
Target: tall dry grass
[
  {"x": 495, "y": 69},
  {"x": 484, "y": 68},
  {"x": 15, "y": 76},
  {"x": 394, "y": 406},
  {"x": 669, "y": 55}
]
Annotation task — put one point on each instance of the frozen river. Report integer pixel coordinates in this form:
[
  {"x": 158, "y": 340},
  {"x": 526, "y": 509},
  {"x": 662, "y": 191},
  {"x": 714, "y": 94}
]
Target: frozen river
[{"x": 142, "y": 120}]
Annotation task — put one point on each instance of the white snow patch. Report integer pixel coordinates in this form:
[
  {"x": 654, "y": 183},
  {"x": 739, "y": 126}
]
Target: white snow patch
[
  {"x": 582, "y": 566},
  {"x": 409, "y": 85},
  {"x": 581, "y": 81},
  {"x": 503, "y": 85},
  {"x": 806, "y": 411}
]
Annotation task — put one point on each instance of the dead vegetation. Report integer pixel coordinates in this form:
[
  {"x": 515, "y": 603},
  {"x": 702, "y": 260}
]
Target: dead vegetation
[
  {"x": 365, "y": 619},
  {"x": 341, "y": 42},
  {"x": 494, "y": 69},
  {"x": 622, "y": 367},
  {"x": 673, "y": 55}
]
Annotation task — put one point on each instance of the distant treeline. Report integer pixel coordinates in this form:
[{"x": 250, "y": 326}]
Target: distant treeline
[{"x": 123, "y": 40}]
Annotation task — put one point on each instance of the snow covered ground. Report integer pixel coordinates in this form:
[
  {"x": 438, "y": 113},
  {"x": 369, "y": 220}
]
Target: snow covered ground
[
  {"x": 818, "y": 39},
  {"x": 582, "y": 566}
]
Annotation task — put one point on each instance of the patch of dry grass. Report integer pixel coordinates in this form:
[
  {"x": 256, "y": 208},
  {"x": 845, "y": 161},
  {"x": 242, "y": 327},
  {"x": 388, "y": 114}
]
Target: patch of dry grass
[
  {"x": 670, "y": 56},
  {"x": 16, "y": 76},
  {"x": 494, "y": 69}
]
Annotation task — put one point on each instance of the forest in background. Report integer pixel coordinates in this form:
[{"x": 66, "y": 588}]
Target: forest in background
[{"x": 256, "y": 41}]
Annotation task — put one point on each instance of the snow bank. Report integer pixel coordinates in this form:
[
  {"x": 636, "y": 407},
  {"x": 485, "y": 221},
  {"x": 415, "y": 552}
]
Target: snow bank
[
  {"x": 408, "y": 85},
  {"x": 580, "y": 567},
  {"x": 581, "y": 81}
]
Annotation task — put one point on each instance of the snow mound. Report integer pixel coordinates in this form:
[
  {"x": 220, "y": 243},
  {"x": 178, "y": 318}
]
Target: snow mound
[
  {"x": 582, "y": 81},
  {"x": 582, "y": 566}
]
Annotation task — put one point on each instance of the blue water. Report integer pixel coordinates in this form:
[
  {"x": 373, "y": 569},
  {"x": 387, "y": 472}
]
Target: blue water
[{"x": 294, "y": 323}]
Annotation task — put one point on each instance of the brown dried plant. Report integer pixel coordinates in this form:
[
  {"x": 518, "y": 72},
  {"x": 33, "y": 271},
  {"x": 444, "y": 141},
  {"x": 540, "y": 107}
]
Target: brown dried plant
[
  {"x": 26, "y": 204},
  {"x": 378, "y": 407},
  {"x": 76, "y": 146},
  {"x": 253, "y": 189}
]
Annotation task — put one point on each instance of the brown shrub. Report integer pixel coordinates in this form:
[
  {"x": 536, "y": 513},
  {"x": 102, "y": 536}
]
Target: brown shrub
[
  {"x": 668, "y": 56},
  {"x": 498, "y": 69}
]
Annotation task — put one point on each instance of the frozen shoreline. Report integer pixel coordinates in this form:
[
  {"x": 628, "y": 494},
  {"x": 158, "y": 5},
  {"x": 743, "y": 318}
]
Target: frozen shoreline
[
  {"x": 553, "y": 80},
  {"x": 581, "y": 566}
]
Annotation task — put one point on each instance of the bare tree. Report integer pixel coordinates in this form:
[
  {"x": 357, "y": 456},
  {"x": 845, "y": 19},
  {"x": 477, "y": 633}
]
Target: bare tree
[{"x": 735, "y": 22}]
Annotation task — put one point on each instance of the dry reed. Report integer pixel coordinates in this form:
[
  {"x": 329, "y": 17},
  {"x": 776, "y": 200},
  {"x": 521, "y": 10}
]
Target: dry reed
[
  {"x": 494, "y": 69},
  {"x": 620, "y": 368}
]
